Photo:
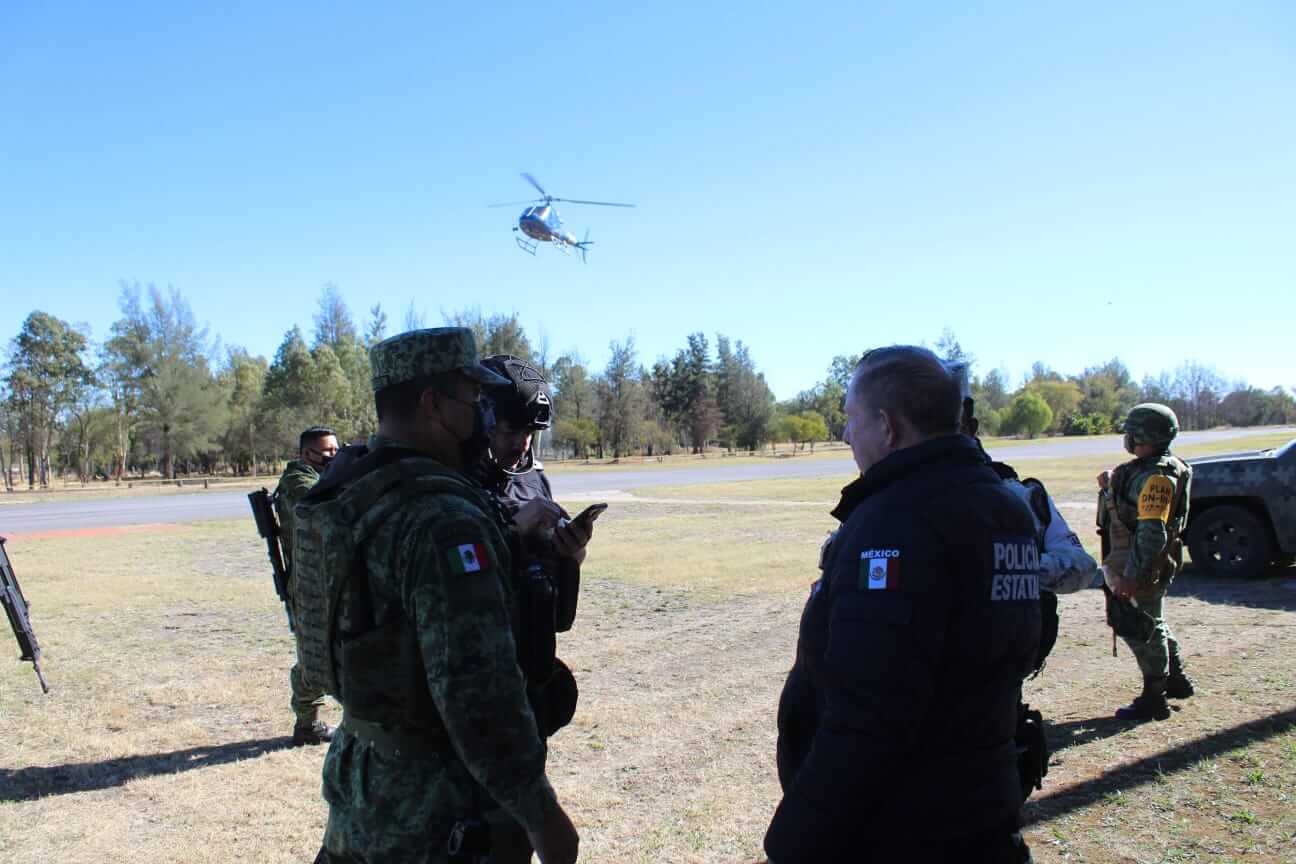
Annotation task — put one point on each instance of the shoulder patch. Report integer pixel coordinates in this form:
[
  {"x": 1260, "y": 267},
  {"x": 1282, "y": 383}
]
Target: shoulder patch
[
  {"x": 824, "y": 547},
  {"x": 1155, "y": 497},
  {"x": 467, "y": 558},
  {"x": 879, "y": 570},
  {"x": 1015, "y": 568},
  {"x": 464, "y": 549}
]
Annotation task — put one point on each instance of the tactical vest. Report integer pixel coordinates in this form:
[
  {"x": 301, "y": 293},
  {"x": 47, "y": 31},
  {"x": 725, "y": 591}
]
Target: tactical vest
[
  {"x": 332, "y": 524},
  {"x": 1122, "y": 525},
  {"x": 1166, "y": 464},
  {"x": 283, "y": 507}
]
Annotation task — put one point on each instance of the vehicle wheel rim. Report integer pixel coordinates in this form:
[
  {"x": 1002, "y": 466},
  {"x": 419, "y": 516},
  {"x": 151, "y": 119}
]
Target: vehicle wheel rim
[{"x": 1226, "y": 546}]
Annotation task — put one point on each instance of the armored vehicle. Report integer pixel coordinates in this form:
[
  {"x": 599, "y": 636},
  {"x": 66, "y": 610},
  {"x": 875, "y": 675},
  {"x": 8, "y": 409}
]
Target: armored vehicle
[{"x": 1242, "y": 514}]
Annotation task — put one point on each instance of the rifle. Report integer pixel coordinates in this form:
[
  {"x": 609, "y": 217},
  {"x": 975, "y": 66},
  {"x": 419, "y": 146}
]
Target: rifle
[
  {"x": 1126, "y": 619},
  {"x": 268, "y": 527},
  {"x": 15, "y": 606}
]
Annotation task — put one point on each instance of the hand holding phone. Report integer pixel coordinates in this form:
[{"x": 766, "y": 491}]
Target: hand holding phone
[
  {"x": 536, "y": 517},
  {"x": 590, "y": 513},
  {"x": 570, "y": 538}
]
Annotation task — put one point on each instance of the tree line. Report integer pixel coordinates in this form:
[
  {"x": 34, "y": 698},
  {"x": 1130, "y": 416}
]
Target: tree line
[
  {"x": 1093, "y": 402},
  {"x": 160, "y": 395}
]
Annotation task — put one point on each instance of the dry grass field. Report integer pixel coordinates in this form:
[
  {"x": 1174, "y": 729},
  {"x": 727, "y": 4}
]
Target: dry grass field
[{"x": 165, "y": 737}]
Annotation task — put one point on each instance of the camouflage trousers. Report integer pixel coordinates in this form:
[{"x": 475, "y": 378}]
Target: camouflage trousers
[
  {"x": 306, "y": 698},
  {"x": 384, "y": 810},
  {"x": 1153, "y": 656}
]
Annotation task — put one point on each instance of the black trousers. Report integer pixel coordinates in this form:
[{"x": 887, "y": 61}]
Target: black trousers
[{"x": 999, "y": 846}]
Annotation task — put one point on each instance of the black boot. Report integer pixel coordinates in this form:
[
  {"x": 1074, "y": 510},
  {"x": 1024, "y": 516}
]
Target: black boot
[
  {"x": 1177, "y": 685},
  {"x": 1148, "y": 705}
]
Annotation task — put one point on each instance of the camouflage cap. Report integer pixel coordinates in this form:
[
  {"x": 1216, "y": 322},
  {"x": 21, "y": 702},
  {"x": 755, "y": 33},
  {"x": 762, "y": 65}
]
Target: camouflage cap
[
  {"x": 417, "y": 353},
  {"x": 1150, "y": 423}
]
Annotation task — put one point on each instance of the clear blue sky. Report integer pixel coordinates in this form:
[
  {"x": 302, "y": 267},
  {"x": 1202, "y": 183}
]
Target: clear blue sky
[{"x": 1056, "y": 182}]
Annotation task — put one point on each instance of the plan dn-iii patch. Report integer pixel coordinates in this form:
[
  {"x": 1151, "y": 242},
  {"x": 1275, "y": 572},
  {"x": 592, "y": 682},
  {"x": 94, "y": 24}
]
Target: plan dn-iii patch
[{"x": 1015, "y": 561}]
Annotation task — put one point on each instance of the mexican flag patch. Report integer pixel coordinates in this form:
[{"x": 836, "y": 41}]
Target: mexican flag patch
[
  {"x": 879, "y": 570},
  {"x": 468, "y": 558}
]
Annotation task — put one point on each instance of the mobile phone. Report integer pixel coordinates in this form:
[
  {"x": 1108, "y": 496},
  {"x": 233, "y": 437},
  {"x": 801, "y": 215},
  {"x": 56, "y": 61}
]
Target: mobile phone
[{"x": 590, "y": 513}]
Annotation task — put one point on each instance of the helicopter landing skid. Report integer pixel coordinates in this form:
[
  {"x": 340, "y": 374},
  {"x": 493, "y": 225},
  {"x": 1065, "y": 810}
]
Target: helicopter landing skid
[{"x": 527, "y": 246}]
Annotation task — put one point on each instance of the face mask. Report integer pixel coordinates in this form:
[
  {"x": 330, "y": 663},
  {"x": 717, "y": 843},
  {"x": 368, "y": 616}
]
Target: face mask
[{"x": 317, "y": 460}]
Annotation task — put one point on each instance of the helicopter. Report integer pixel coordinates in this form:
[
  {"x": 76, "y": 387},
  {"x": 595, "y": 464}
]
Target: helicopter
[{"x": 540, "y": 223}]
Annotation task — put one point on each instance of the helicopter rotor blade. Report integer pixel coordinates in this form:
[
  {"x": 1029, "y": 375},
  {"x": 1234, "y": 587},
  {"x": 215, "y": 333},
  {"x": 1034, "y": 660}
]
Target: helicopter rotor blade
[
  {"x": 515, "y": 203},
  {"x": 527, "y": 177},
  {"x": 599, "y": 203}
]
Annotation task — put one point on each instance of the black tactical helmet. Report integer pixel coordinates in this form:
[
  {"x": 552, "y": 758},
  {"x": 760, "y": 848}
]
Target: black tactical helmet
[
  {"x": 524, "y": 402},
  {"x": 1150, "y": 423}
]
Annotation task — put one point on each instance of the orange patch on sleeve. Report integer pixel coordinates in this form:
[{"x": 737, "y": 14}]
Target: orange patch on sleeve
[{"x": 1155, "y": 498}]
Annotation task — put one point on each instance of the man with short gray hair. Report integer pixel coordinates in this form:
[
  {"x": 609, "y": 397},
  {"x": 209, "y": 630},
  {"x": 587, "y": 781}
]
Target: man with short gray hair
[{"x": 897, "y": 721}]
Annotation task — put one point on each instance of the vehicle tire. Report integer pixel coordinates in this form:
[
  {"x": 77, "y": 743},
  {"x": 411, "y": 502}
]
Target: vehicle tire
[{"x": 1227, "y": 540}]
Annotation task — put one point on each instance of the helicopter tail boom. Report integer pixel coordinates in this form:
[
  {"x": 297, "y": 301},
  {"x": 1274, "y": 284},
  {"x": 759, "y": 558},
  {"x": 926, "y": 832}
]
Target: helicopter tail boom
[{"x": 584, "y": 245}]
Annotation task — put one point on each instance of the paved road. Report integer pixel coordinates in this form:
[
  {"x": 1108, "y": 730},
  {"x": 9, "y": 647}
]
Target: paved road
[{"x": 207, "y": 505}]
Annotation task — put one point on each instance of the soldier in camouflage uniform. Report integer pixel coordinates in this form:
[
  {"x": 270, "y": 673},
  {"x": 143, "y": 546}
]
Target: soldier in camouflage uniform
[
  {"x": 316, "y": 447},
  {"x": 436, "y": 733},
  {"x": 1148, "y": 498}
]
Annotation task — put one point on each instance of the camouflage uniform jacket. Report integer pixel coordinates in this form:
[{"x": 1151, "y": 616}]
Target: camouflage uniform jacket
[
  {"x": 297, "y": 480},
  {"x": 427, "y": 651},
  {"x": 1151, "y": 497}
]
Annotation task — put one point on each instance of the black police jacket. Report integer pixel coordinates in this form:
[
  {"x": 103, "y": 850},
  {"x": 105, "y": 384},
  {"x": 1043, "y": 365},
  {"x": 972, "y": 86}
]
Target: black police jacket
[
  {"x": 897, "y": 720},
  {"x": 514, "y": 490},
  {"x": 548, "y": 606}
]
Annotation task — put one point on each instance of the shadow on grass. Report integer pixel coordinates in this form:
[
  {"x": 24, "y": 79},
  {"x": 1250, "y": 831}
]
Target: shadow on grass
[
  {"x": 1147, "y": 770},
  {"x": 28, "y": 784},
  {"x": 1076, "y": 733},
  {"x": 1273, "y": 590}
]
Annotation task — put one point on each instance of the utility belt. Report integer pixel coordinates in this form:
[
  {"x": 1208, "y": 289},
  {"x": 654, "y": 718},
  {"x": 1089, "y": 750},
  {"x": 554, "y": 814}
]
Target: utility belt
[{"x": 391, "y": 743}]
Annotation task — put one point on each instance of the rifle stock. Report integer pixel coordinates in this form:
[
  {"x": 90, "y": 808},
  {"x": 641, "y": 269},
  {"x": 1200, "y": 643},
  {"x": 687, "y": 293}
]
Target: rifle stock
[{"x": 16, "y": 609}]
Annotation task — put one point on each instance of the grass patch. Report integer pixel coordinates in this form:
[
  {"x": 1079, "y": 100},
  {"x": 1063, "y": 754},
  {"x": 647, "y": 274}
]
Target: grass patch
[{"x": 708, "y": 548}]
